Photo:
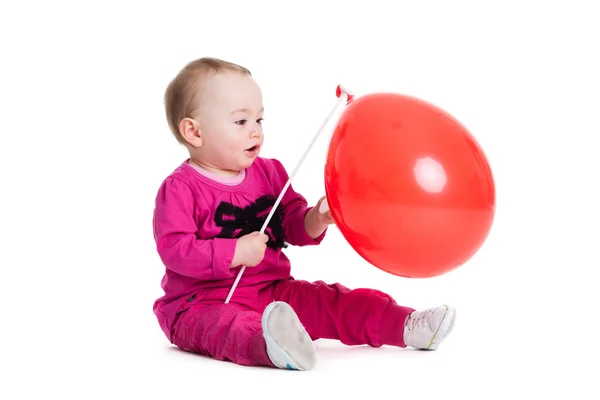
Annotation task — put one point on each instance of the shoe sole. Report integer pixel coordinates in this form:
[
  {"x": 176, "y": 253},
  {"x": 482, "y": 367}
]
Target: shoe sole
[
  {"x": 304, "y": 357},
  {"x": 444, "y": 329}
]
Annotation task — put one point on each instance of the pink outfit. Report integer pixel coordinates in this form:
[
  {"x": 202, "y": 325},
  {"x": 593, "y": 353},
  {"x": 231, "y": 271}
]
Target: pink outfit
[{"x": 196, "y": 222}]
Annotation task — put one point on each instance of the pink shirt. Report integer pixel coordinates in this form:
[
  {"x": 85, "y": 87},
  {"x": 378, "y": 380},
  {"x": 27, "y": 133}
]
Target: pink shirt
[{"x": 197, "y": 219}]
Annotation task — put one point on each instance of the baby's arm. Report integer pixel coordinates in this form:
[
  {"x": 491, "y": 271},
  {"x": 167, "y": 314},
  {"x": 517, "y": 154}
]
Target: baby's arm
[
  {"x": 296, "y": 212},
  {"x": 175, "y": 235}
]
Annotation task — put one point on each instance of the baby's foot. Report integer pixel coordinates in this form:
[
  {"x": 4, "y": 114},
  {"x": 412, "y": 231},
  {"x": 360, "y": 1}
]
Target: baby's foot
[
  {"x": 288, "y": 344},
  {"x": 425, "y": 330}
]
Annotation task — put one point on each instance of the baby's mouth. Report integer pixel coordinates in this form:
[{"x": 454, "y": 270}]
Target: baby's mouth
[{"x": 253, "y": 148}]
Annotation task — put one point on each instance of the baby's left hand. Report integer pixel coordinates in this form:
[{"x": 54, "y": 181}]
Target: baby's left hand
[{"x": 324, "y": 214}]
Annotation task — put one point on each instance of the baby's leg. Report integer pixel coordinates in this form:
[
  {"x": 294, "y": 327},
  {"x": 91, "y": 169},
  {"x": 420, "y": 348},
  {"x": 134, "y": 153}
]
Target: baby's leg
[
  {"x": 275, "y": 338},
  {"x": 223, "y": 331},
  {"x": 355, "y": 317}
]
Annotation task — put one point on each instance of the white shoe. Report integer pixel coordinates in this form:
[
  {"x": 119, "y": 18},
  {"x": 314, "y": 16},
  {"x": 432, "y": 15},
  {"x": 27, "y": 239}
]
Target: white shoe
[
  {"x": 288, "y": 344},
  {"x": 425, "y": 330}
]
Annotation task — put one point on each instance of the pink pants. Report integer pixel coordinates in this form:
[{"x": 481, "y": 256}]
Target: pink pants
[{"x": 233, "y": 331}]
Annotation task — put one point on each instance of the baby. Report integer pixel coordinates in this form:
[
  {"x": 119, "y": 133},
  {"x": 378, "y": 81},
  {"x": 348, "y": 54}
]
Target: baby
[{"x": 207, "y": 220}]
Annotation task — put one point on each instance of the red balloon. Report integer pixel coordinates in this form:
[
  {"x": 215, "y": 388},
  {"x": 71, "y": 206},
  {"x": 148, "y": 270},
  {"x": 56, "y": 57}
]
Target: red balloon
[{"x": 408, "y": 186}]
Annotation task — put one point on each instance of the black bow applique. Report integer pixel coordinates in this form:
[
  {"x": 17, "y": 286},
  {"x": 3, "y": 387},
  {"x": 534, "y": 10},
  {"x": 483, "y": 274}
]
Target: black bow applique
[{"x": 239, "y": 221}]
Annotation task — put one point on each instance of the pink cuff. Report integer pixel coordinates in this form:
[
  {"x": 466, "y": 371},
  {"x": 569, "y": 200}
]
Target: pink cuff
[
  {"x": 302, "y": 237},
  {"x": 223, "y": 252}
]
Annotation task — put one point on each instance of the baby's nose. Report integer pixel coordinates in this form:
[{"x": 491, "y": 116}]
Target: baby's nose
[{"x": 256, "y": 131}]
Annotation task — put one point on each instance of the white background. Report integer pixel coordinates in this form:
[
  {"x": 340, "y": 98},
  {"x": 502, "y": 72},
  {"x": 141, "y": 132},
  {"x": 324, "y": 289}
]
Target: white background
[{"x": 85, "y": 145}]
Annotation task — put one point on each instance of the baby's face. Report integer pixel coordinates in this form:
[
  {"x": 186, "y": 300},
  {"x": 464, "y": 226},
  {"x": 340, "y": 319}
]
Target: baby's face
[{"x": 230, "y": 118}]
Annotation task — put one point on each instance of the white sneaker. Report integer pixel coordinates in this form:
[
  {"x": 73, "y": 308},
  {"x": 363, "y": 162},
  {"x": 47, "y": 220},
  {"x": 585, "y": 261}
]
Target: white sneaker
[
  {"x": 288, "y": 344},
  {"x": 425, "y": 330}
]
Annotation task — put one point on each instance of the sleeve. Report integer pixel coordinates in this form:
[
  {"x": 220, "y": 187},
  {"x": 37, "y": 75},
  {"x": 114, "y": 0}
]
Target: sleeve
[
  {"x": 175, "y": 235},
  {"x": 295, "y": 209}
]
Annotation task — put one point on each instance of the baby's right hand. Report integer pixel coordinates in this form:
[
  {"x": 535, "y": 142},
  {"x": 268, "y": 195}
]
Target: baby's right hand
[{"x": 250, "y": 249}]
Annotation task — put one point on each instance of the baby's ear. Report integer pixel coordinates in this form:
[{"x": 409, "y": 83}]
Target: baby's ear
[{"x": 190, "y": 131}]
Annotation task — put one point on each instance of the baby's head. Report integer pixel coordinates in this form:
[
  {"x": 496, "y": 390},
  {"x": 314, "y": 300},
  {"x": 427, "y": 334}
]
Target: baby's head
[{"x": 214, "y": 108}]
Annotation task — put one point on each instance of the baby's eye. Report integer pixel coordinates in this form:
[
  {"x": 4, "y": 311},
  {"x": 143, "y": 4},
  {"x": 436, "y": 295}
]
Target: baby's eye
[
  {"x": 260, "y": 120},
  {"x": 241, "y": 122}
]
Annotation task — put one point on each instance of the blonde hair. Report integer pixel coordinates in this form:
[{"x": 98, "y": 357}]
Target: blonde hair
[{"x": 181, "y": 93}]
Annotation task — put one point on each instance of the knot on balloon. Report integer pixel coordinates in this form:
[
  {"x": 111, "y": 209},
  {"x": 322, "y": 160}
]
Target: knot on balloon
[{"x": 341, "y": 90}]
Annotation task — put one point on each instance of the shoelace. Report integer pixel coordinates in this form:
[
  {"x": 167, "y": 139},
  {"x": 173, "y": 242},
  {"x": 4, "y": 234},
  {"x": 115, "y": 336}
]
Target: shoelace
[{"x": 418, "y": 321}]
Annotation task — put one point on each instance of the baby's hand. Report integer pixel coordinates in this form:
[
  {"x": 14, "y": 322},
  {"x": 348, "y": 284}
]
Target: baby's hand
[
  {"x": 324, "y": 215},
  {"x": 250, "y": 250}
]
